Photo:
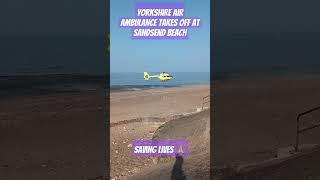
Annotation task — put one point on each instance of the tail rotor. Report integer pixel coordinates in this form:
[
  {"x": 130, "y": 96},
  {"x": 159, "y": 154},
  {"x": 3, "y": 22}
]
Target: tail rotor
[{"x": 146, "y": 76}]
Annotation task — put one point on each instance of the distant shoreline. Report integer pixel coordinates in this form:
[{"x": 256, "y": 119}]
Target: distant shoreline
[
  {"x": 71, "y": 83},
  {"x": 125, "y": 88},
  {"x": 260, "y": 75},
  {"x": 48, "y": 84}
]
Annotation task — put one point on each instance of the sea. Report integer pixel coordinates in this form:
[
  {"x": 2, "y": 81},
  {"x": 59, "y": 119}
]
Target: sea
[
  {"x": 266, "y": 52},
  {"x": 235, "y": 53},
  {"x": 132, "y": 81}
]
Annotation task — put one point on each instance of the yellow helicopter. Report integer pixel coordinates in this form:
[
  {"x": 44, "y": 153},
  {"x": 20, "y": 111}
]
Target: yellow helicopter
[{"x": 162, "y": 76}]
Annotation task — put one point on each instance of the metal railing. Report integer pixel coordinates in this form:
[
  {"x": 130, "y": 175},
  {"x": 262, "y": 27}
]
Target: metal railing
[
  {"x": 306, "y": 128},
  {"x": 205, "y": 100},
  {"x": 97, "y": 178}
]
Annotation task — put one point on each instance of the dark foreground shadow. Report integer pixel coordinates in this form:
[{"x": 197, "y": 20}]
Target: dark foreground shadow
[{"x": 177, "y": 172}]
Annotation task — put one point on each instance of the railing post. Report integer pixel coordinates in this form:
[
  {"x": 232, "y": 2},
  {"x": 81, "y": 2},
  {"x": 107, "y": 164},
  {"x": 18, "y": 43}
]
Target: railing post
[{"x": 297, "y": 135}]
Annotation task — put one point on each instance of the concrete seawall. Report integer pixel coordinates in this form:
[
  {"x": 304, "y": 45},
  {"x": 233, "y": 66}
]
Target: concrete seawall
[{"x": 304, "y": 165}]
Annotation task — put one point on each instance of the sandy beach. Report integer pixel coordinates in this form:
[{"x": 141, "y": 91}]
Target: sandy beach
[
  {"x": 52, "y": 133},
  {"x": 254, "y": 116},
  {"x": 138, "y": 114},
  {"x": 156, "y": 102},
  {"x": 57, "y": 131}
]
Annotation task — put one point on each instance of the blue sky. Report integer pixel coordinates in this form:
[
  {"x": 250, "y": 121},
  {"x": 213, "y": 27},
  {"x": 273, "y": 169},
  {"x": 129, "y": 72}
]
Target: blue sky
[{"x": 192, "y": 55}]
